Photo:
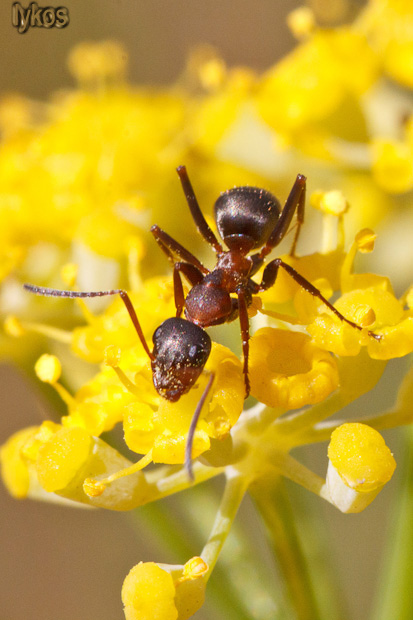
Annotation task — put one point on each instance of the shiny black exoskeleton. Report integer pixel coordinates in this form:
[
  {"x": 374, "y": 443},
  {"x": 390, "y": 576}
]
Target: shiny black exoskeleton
[
  {"x": 181, "y": 350},
  {"x": 247, "y": 218}
]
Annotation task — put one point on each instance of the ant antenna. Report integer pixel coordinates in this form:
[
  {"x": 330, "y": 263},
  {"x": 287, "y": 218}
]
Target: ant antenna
[
  {"x": 53, "y": 292},
  {"x": 192, "y": 428}
]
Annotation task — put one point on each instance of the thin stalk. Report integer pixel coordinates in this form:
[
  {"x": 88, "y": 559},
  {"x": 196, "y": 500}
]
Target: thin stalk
[
  {"x": 275, "y": 509},
  {"x": 235, "y": 488},
  {"x": 395, "y": 600},
  {"x": 168, "y": 532}
]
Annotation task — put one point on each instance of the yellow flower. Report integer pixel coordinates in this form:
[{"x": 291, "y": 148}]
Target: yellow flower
[
  {"x": 288, "y": 371},
  {"x": 94, "y": 62},
  {"x": 15, "y": 472},
  {"x": 360, "y": 464},
  {"x": 225, "y": 92},
  {"x": 386, "y": 317},
  {"x": 83, "y": 177},
  {"x": 392, "y": 164},
  {"x": 160, "y": 592},
  {"x": 164, "y": 427},
  {"x": 314, "y": 79},
  {"x": 153, "y": 303},
  {"x": 389, "y": 27},
  {"x": 48, "y": 368},
  {"x": 367, "y": 300}
]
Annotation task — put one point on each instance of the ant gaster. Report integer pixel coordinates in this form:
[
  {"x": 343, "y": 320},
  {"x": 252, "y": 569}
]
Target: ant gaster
[
  {"x": 180, "y": 352},
  {"x": 247, "y": 218}
]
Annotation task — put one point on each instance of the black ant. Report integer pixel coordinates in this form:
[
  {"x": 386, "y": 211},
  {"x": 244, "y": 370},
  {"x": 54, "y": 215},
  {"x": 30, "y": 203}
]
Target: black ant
[
  {"x": 247, "y": 218},
  {"x": 180, "y": 352}
]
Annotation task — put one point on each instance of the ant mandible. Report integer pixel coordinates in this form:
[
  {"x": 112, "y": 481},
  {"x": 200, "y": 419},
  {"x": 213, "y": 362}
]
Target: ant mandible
[
  {"x": 247, "y": 218},
  {"x": 180, "y": 352}
]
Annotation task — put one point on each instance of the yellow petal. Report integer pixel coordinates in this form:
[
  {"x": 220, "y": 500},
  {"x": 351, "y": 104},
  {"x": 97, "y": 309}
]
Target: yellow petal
[
  {"x": 148, "y": 593},
  {"x": 61, "y": 457},
  {"x": 288, "y": 371}
]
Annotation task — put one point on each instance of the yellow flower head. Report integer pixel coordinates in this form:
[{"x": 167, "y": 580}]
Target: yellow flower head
[
  {"x": 15, "y": 472},
  {"x": 313, "y": 80},
  {"x": 81, "y": 181},
  {"x": 151, "y": 422},
  {"x": 389, "y": 27},
  {"x": 287, "y": 371},
  {"x": 368, "y": 301},
  {"x": 94, "y": 62},
  {"x": 360, "y": 464},
  {"x": 160, "y": 592},
  {"x": 153, "y": 303}
]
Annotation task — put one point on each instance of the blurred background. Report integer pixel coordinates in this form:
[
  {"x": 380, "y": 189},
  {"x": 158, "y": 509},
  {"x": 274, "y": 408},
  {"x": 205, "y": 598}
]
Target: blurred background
[
  {"x": 59, "y": 563},
  {"x": 158, "y": 36}
]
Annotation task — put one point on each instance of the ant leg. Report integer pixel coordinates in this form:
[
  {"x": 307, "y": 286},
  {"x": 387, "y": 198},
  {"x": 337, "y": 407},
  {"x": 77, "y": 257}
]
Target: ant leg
[
  {"x": 245, "y": 335},
  {"x": 193, "y": 425},
  {"x": 294, "y": 202},
  {"x": 173, "y": 249},
  {"x": 52, "y": 292},
  {"x": 300, "y": 218},
  {"x": 196, "y": 212},
  {"x": 192, "y": 274},
  {"x": 270, "y": 274}
]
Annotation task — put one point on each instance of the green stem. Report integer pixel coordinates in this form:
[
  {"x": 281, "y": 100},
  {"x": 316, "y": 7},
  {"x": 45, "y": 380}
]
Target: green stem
[
  {"x": 171, "y": 537},
  {"x": 235, "y": 489},
  {"x": 274, "y": 507},
  {"x": 395, "y": 600},
  {"x": 300, "y": 474}
]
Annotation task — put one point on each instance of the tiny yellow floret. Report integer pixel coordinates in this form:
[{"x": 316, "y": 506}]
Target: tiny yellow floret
[
  {"x": 68, "y": 274},
  {"x": 301, "y": 21},
  {"x": 288, "y": 371},
  {"x": 91, "y": 61},
  {"x": 364, "y": 315},
  {"x": 148, "y": 593},
  {"x": 48, "y": 368},
  {"x": 392, "y": 165},
  {"x": 361, "y": 457},
  {"x": 14, "y": 469},
  {"x": 93, "y": 488},
  {"x": 331, "y": 203},
  {"x": 212, "y": 73},
  {"x": 112, "y": 355},
  {"x": 365, "y": 240},
  {"x": 13, "y": 327},
  {"x": 194, "y": 568}
]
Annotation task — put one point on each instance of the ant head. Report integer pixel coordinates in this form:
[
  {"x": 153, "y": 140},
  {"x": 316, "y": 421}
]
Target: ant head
[
  {"x": 245, "y": 217},
  {"x": 181, "y": 350}
]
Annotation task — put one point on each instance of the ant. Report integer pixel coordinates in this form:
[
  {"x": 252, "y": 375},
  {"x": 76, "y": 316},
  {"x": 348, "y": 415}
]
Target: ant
[
  {"x": 180, "y": 352},
  {"x": 247, "y": 219}
]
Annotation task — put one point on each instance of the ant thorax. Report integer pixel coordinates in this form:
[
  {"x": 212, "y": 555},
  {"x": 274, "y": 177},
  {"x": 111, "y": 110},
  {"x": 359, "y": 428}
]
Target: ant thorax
[{"x": 235, "y": 269}]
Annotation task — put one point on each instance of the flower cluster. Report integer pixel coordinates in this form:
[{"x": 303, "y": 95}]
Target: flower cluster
[
  {"x": 101, "y": 159},
  {"x": 312, "y": 376}
]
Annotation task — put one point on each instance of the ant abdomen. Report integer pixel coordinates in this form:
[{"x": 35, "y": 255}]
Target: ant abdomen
[
  {"x": 246, "y": 215},
  {"x": 181, "y": 350}
]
